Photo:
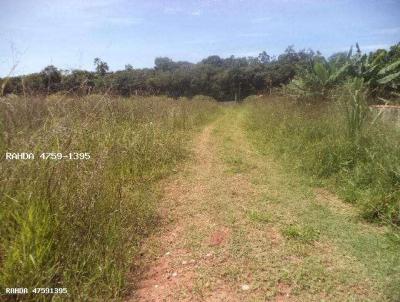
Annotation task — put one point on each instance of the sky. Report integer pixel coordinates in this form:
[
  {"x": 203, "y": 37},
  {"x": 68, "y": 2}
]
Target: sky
[{"x": 70, "y": 34}]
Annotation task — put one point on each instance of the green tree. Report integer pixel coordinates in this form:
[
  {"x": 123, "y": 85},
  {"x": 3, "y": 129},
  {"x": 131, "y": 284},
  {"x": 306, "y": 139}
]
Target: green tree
[
  {"x": 51, "y": 78},
  {"x": 164, "y": 64},
  {"x": 101, "y": 66},
  {"x": 264, "y": 58}
]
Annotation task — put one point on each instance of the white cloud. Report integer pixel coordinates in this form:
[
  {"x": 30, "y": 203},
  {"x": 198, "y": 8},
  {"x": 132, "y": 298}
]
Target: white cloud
[
  {"x": 203, "y": 41},
  {"x": 364, "y": 48},
  {"x": 196, "y": 13},
  {"x": 248, "y": 54},
  {"x": 253, "y": 35},
  {"x": 172, "y": 10},
  {"x": 387, "y": 31},
  {"x": 77, "y": 7},
  {"x": 261, "y": 20},
  {"x": 86, "y": 14},
  {"x": 243, "y": 53},
  {"x": 374, "y": 46},
  {"x": 123, "y": 21}
]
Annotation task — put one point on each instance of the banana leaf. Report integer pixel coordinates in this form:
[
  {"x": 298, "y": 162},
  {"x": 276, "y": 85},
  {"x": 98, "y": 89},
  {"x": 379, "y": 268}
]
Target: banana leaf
[
  {"x": 389, "y": 67},
  {"x": 389, "y": 78}
]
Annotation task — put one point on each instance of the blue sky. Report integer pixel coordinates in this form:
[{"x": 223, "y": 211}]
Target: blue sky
[{"x": 69, "y": 34}]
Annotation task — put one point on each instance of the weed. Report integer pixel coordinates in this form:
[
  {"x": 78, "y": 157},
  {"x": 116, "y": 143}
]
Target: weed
[
  {"x": 342, "y": 149},
  {"x": 77, "y": 224},
  {"x": 260, "y": 217},
  {"x": 302, "y": 233}
]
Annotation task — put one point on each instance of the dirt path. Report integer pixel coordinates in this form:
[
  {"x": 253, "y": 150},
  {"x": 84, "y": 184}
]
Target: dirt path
[{"x": 235, "y": 227}]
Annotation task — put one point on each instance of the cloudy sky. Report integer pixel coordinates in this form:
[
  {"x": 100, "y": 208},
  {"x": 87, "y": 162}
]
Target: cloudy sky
[{"x": 69, "y": 34}]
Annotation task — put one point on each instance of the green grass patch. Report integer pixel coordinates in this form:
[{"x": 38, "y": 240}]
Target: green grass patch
[
  {"x": 314, "y": 149},
  {"x": 305, "y": 234},
  {"x": 258, "y": 216},
  {"x": 363, "y": 169}
]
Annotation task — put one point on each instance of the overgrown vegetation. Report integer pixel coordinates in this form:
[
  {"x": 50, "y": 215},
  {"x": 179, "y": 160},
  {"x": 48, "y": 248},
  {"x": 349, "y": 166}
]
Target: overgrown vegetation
[
  {"x": 77, "y": 223},
  {"x": 224, "y": 79},
  {"x": 379, "y": 70},
  {"x": 340, "y": 145},
  {"x": 311, "y": 76},
  {"x": 329, "y": 131}
]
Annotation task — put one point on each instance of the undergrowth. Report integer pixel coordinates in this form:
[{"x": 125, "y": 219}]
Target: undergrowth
[
  {"x": 77, "y": 224},
  {"x": 348, "y": 151}
]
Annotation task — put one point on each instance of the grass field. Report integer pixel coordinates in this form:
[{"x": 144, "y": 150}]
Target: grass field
[
  {"x": 359, "y": 160},
  {"x": 237, "y": 224},
  {"x": 77, "y": 224},
  {"x": 190, "y": 200}
]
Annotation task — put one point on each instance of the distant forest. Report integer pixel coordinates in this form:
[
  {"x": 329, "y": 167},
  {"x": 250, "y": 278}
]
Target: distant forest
[{"x": 231, "y": 78}]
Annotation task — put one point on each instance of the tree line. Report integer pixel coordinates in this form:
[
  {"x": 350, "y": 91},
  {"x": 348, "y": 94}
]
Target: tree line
[
  {"x": 231, "y": 78},
  {"x": 222, "y": 78}
]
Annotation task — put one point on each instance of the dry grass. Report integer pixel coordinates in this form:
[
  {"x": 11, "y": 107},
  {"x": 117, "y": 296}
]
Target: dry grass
[
  {"x": 77, "y": 224},
  {"x": 235, "y": 225}
]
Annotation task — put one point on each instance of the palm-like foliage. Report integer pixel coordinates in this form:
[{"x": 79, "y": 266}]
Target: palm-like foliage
[
  {"x": 391, "y": 75},
  {"x": 379, "y": 72},
  {"x": 317, "y": 80}
]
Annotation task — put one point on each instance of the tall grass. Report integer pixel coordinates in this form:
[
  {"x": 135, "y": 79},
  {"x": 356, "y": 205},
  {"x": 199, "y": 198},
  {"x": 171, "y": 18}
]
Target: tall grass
[
  {"x": 339, "y": 146},
  {"x": 353, "y": 98},
  {"x": 77, "y": 224}
]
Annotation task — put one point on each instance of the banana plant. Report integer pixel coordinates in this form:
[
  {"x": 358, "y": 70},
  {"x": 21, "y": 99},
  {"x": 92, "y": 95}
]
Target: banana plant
[
  {"x": 379, "y": 71},
  {"x": 318, "y": 80},
  {"x": 390, "y": 74},
  {"x": 381, "y": 75}
]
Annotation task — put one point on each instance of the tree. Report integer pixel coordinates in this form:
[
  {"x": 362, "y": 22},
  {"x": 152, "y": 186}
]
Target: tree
[
  {"x": 228, "y": 78},
  {"x": 51, "y": 78},
  {"x": 264, "y": 58},
  {"x": 164, "y": 64},
  {"x": 34, "y": 83},
  {"x": 78, "y": 81},
  {"x": 213, "y": 60},
  {"x": 101, "y": 66}
]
